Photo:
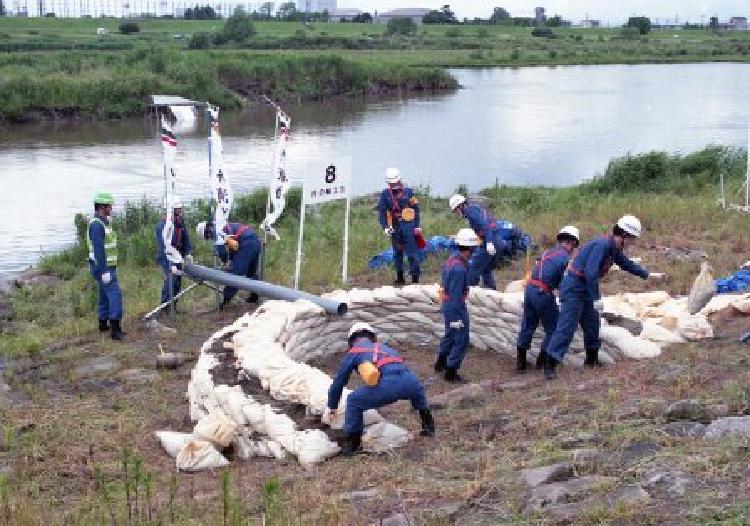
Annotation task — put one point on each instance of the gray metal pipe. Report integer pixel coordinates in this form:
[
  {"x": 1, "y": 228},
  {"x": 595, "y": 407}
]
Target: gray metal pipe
[{"x": 261, "y": 288}]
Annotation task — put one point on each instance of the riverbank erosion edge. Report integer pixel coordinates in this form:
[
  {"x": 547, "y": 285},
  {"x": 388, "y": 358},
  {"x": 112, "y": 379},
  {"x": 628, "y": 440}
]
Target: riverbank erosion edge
[{"x": 90, "y": 85}]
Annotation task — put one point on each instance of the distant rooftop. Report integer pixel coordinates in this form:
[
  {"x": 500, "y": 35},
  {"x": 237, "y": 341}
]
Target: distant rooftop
[
  {"x": 407, "y": 11},
  {"x": 345, "y": 12}
]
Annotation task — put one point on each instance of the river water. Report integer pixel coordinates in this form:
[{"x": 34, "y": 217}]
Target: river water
[{"x": 527, "y": 126}]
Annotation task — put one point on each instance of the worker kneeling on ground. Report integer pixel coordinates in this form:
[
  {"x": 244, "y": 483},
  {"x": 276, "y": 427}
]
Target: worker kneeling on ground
[
  {"x": 387, "y": 379},
  {"x": 398, "y": 213},
  {"x": 241, "y": 247},
  {"x": 181, "y": 243},
  {"x": 485, "y": 257},
  {"x": 455, "y": 288},
  {"x": 539, "y": 302},
  {"x": 102, "y": 243},
  {"x": 580, "y": 299}
]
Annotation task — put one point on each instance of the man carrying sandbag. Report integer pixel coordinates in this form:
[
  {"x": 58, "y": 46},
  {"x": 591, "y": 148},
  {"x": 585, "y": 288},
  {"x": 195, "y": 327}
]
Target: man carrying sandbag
[
  {"x": 242, "y": 247},
  {"x": 398, "y": 213},
  {"x": 386, "y": 380},
  {"x": 539, "y": 303},
  {"x": 455, "y": 288},
  {"x": 580, "y": 300},
  {"x": 485, "y": 257}
]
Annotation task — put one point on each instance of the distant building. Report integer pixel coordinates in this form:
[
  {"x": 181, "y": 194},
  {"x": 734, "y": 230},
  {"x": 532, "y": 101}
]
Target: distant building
[
  {"x": 737, "y": 22},
  {"x": 415, "y": 13},
  {"x": 590, "y": 24},
  {"x": 316, "y": 6},
  {"x": 346, "y": 15},
  {"x": 539, "y": 15}
]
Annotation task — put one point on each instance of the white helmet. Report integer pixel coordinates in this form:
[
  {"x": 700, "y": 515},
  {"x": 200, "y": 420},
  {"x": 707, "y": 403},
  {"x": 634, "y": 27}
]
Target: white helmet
[
  {"x": 392, "y": 176},
  {"x": 176, "y": 203},
  {"x": 571, "y": 231},
  {"x": 200, "y": 229},
  {"x": 361, "y": 326},
  {"x": 456, "y": 201},
  {"x": 630, "y": 224},
  {"x": 466, "y": 237}
]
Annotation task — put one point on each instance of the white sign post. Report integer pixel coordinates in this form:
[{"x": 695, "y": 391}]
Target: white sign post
[{"x": 325, "y": 181}]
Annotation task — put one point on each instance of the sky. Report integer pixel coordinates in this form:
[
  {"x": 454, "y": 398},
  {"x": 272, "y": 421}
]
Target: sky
[{"x": 613, "y": 11}]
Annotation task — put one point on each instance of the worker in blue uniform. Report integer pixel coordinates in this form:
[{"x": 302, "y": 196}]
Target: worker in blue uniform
[
  {"x": 241, "y": 247},
  {"x": 539, "y": 302},
  {"x": 181, "y": 242},
  {"x": 455, "y": 288},
  {"x": 580, "y": 299},
  {"x": 386, "y": 380},
  {"x": 398, "y": 213},
  {"x": 485, "y": 257},
  {"x": 102, "y": 244}
]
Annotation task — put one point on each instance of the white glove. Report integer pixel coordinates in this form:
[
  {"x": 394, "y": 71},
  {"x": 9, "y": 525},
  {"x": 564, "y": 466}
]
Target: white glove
[
  {"x": 388, "y": 231},
  {"x": 599, "y": 306},
  {"x": 175, "y": 270},
  {"x": 106, "y": 278},
  {"x": 491, "y": 248},
  {"x": 458, "y": 324},
  {"x": 328, "y": 415},
  {"x": 656, "y": 275}
]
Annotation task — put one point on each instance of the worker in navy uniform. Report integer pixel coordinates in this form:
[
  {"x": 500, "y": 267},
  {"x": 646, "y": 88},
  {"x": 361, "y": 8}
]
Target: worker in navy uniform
[
  {"x": 181, "y": 242},
  {"x": 387, "y": 379}
]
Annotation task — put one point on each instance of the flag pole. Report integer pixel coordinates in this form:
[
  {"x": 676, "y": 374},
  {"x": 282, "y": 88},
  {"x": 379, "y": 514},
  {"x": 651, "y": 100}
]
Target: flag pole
[{"x": 303, "y": 207}]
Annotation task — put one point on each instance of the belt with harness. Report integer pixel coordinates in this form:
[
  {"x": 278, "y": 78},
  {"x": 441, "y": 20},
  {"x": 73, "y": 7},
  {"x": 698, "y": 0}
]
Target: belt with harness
[
  {"x": 538, "y": 283},
  {"x": 369, "y": 371}
]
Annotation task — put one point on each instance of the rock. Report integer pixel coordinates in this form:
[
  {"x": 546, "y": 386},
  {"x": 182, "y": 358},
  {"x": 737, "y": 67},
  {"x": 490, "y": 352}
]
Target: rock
[
  {"x": 512, "y": 385},
  {"x": 154, "y": 326},
  {"x": 7, "y": 312},
  {"x": 729, "y": 426},
  {"x": 360, "y": 494},
  {"x": 665, "y": 483},
  {"x": 32, "y": 278},
  {"x": 581, "y": 439},
  {"x": 555, "y": 473},
  {"x": 4, "y": 388},
  {"x": 102, "y": 364},
  {"x": 139, "y": 376},
  {"x": 638, "y": 450},
  {"x": 719, "y": 410},
  {"x": 466, "y": 396},
  {"x": 562, "y": 492},
  {"x": 571, "y": 513},
  {"x": 692, "y": 410},
  {"x": 671, "y": 373},
  {"x": 585, "y": 457},
  {"x": 397, "y": 519},
  {"x": 684, "y": 429},
  {"x": 171, "y": 360},
  {"x": 631, "y": 494}
]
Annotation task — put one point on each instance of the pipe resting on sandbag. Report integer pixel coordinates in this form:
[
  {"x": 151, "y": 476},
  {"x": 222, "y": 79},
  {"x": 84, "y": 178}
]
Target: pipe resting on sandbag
[{"x": 261, "y": 288}]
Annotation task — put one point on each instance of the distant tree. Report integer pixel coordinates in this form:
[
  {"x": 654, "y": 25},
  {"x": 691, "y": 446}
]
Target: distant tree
[
  {"x": 363, "y": 18},
  {"x": 444, "y": 16},
  {"x": 201, "y": 13},
  {"x": 401, "y": 26},
  {"x": 643, "y": 23},
  {"x": 555, "y": 21},
  {"x": 542, "y": 32},
  {"x": 287, "y": 11},
  {"x": 238, "y": 27},
  {"x": 713, "y": 23},
  {"x": 522, "y": 21},
  {"x": 199, "y": 41},
  {"x": 499, "y": 16},
  {"x": 265, "y": 10},
  {"x": 50, "y": 15},
  {"x": 126, "y": 28},
  {"x": 2, "y": 8}
]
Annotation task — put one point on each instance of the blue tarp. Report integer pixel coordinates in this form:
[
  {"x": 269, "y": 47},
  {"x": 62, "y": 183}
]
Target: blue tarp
[
  {"x": 737, "y": 282},
  {"x": 515, "y": 241}
]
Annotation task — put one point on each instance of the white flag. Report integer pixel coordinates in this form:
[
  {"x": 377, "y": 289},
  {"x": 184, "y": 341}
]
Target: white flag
[
  {"x": 220, "y": 189},
  {"x": 169, "y": 147},
  {"x": 280, "y": 183}
]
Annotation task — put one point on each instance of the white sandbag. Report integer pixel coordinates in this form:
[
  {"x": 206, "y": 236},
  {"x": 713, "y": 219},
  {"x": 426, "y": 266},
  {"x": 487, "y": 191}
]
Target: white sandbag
[
  {"x": 655, "y": 332},
  {"x": 245, "y": 448},
  {"x": 694, "y": 327},
  {"x": 629, "y": 345},
  {"x": 513, "y": 303},
  {"x": 304, "y": 309},
  {"x": 197, "y": 455},
  {"x": 414, "y": 294},
  {"x": 384, "y": 437},
  {"x": 216, "y": 428},
  {"x": 172, "y": 441},
  {"x": 314, "y": 447},
  {"x": 386, "y": 295},
  {"x": 516, "y": 286},
  {"x": 361, "y": 297},
  {"x": 703, "y": 289},
  {"x": 646, "y": 299}
]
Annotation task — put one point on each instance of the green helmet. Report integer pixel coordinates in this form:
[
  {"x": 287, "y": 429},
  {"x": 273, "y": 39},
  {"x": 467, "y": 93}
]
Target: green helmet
[{"x": 103, "y": 198}]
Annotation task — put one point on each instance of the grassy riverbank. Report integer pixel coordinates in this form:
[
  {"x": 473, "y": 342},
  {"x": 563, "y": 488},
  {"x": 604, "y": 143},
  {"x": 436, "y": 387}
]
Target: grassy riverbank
[
  {"x": 85, "y": 75},
  {"x": 79, "y": 404}
]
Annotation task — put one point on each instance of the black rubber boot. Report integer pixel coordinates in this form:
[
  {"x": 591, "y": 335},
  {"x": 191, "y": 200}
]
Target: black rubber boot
[
  {"x": 592, "y": 359},
  {"x": 116, "y": 332},
  {"x": 428, "y": 423},
  {"x": 452, "y": 376},
  {"x": 549, "y": 367},
  {"x": 399, "y": 279},
  {"x": 520, "y": 360},
  {"x": 253, "y": 298},
  {"x": 103, "y": 325},
  {"x": 440, "y": 364},
  {"x": 415, "y": 278},
  {"x": 224, "y": 304},
  {"x": 540, "y": 359},
  {"x": 352, "y": 445}
]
